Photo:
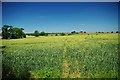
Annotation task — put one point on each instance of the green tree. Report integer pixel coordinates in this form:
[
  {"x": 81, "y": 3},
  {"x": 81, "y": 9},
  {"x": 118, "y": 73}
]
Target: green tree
[
  {"x": 5, "y": 32},
  {"x": 36, "y": 33},
  {"x": 56, "y": 34},
  {"x": 46, "y": 34},
  {"x": 117, "y": 32},
  {"x": 62, "y": 34},
  {"x": 17, "y": 33},
  {"x": 81, "y": 31},
  {"x": 42, "y": 33},
  {"x": 12, "y": 32},
  {"x": 73, "y": 32}
]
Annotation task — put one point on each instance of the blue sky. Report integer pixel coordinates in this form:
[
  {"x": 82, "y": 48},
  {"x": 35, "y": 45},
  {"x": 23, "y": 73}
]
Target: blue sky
[{"x": 61, "y": 16}]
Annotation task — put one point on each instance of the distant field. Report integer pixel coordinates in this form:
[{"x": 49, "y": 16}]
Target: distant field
[{"x": 74, "y": 56}]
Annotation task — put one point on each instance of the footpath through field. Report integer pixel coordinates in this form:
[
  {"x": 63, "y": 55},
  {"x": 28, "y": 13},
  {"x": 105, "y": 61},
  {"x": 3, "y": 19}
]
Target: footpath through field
[{"x": 65, "y": 66}]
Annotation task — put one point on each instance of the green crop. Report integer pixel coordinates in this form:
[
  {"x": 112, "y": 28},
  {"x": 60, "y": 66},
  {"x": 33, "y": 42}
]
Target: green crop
[{"x": 74, "y": 56}]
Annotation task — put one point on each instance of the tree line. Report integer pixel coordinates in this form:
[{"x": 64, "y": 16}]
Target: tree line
[
  {"x": 37, "y": 33},
  {"x": 109, "y": 32},
  {"x": 10, "y": 32}
]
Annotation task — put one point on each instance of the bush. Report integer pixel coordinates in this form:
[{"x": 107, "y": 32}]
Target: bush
[
  {"x": 43, "y": 34},
  {"x": 116, "y": 31},
  {"x": 24, "y": 35},
  {"x": 62, "y": 34},
  {"x": 112, "y": 32},
  {"x": 73, "y": 32},
  {"x": 56, "y": 34},
  {"x": 69, "y": 34}
]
